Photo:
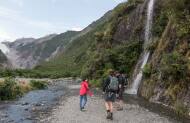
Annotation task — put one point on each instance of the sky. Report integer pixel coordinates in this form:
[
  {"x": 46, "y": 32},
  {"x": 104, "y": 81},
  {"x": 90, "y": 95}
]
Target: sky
[{"x": 37, "y": 18}]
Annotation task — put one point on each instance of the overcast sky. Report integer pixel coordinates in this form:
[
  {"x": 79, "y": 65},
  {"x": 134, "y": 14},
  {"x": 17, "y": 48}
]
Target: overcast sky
[{"x": 37, "y": 18}]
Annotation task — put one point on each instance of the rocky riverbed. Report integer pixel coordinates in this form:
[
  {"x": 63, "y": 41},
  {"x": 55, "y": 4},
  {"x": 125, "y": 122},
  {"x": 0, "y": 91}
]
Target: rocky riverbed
[{"x": 60, "y": 104}]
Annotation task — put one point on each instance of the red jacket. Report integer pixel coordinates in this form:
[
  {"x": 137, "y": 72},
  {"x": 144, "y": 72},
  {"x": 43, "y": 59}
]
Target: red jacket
[{"x": 84, "y": 89}]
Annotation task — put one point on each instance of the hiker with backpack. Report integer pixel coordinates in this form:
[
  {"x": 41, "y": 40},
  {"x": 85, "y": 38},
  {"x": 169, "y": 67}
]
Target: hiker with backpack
[
  {"x": 84, "y": 90},
  {"x": 110, "y": 88},
  {"x": 122, "y": 83}
]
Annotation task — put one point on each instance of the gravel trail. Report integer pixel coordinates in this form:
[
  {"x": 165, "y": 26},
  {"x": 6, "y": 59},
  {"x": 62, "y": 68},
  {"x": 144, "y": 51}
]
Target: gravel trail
[{"x": 68, "y": 112}]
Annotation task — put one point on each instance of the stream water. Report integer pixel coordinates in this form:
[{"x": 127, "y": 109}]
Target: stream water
[{"x": 35, "y": 102}]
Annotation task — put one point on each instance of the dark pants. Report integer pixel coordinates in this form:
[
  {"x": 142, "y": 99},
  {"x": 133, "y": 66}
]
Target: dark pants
[
  {"x": 120, "y": 93},
  {"x": 83, "y": 101}
]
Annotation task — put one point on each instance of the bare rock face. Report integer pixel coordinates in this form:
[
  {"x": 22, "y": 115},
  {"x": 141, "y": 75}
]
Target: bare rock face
[
  {"x": 23, "y": 53},
  {"x": 29, "y": 52},
  {"x": 3, "y": 60}
]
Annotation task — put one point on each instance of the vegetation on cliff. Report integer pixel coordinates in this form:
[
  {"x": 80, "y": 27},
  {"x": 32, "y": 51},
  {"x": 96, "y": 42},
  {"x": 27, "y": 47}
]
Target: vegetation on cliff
[{"x": 167, "y": 75}]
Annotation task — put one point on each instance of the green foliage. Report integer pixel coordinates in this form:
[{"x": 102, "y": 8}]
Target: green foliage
[
  {"x": 98, "y": 37},
  {"x": 125, "y": 8},
  {"x": 148, "y": 90},
  {"x": 122, "y": 58},
  {"x": 152, "y": 46},
  {"x": 9, "y": 89},
  {"x": 175, "y": 10},
  {"x": 175, "y": 89},
  {"x": 95, "y": 83},
  {"x": 160, "y": 22},
  {"x": 180, "y": 108},
  {"x": 174, "y": 67},
  {"x": 35, "y": 73},
  {"x": 178, "y": 10},
  {"x": 184, "y": 26},
  {"x": 38, "y": 84},
  {"x": 147, "y": 71}
]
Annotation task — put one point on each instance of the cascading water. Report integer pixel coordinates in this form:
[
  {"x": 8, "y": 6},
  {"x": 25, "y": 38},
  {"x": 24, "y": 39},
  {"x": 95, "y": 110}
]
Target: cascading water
[{"x": 144, "y": 59}]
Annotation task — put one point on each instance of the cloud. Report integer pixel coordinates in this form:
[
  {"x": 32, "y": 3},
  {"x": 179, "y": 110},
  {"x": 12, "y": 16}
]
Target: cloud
[
  {"x": 119, "y": 1},
  {"x": 54, "y": 1},
  {"x": 4, "y": 35},
  {"x": 14, "y": 16},
  {"x": 8, "y": 13},
  {"x": 76, "y": 28},
  {"x": 20, "y": 3}
]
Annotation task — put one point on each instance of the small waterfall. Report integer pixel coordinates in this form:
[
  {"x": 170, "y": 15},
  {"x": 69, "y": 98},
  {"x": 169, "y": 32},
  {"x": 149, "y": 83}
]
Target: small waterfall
[{"x": 144, "y": 59}]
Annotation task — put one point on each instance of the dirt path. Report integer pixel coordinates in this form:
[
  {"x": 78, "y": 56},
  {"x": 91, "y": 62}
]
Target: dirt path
[{"x": 68, "y": 112}]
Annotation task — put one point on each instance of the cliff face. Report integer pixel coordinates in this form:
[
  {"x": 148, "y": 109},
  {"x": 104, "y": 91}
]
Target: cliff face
[{"x": 167, "y": 74}]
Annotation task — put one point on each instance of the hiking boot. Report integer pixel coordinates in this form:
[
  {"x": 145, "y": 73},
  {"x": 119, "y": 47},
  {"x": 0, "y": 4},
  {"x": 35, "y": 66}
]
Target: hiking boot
[
  {"x": 82, "y": 109},
  {"x": 108, "y": 115},
  {"x": 111, "y": 116}
]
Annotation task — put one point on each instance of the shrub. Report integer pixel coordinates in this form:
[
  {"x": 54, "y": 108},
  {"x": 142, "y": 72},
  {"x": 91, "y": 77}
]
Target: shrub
[
  {"x": 148, "y": 88},
  {"x": 25, "y": 86},
  {"x": 121, "y": 57},
  {"x": 152, "y": 46},
  {"x": 9, "y": 89},
  {"x": 180, "y": 108},
  {"x": 38, "y": 84},
  {"x": 174, "y": 90},
  {"x": 174, "y": 66},
  {"x": 160, "y": 23},
  {"x": 147, "y": 71}
]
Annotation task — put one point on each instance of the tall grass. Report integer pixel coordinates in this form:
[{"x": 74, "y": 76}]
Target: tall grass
[{"x": 11, "y": 89}]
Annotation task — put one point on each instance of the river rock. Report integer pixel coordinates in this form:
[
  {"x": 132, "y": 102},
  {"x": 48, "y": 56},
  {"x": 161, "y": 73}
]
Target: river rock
[
  {"x": 26, "y": 109},
  {"x": 39, "y": 104},
  {"x": 25, "y": 103}
]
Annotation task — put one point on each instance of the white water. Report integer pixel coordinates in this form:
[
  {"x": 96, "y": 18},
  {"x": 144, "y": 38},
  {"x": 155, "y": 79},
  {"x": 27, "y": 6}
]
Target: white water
[
  {"x": 4, "y": 48},
  {"x": 150, "y": 11},
  {"x": 138, "y": 78}
]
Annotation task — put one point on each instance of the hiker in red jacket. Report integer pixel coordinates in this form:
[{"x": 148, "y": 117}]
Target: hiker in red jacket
[{"x": 84, "y": 90}]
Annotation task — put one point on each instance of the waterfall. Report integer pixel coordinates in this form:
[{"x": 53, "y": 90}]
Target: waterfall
[
  {"x": 145, "y": 55},
  {"x": 148, "y": 34}
]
